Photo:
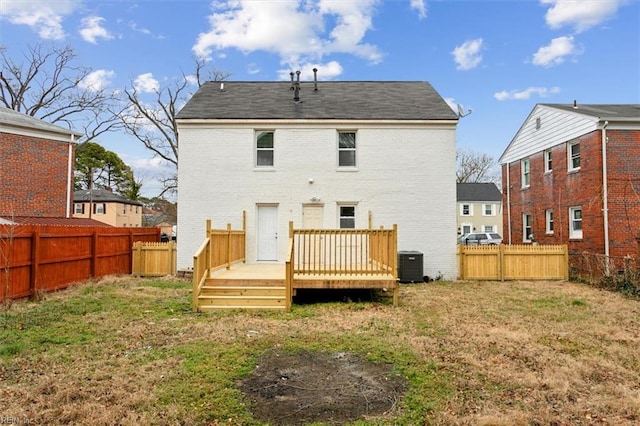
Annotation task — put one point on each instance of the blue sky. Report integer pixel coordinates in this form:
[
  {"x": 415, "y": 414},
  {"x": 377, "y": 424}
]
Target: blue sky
[{"x": 495, "y": 58}]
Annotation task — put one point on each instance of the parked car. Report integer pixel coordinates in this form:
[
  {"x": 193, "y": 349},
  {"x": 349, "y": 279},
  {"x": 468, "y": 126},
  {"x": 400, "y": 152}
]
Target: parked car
[{"x": 478, "y": 238}]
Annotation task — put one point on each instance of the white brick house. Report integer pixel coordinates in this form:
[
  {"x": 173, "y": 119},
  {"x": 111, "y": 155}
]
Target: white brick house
[{"x": 340, "y": 155}]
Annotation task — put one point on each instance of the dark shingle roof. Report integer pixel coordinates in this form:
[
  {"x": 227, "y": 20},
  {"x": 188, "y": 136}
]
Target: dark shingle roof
[
  {"x": 362, "y": 100},
  {"x": 603, "y": 111},
  {"x": 478, "y": 192},
  {"x": 103, "y": 196},
  {"x": 10, "y": 117}
]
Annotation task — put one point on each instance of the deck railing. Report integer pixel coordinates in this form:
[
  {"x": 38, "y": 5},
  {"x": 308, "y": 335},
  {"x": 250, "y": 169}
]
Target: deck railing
[
  {"x": 220, "y": 249},
  {"x": 344, "y": 251}
]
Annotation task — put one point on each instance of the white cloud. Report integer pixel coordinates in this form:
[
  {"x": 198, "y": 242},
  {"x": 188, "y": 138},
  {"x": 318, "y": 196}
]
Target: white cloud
[
  {"x": 304, "y": 33},
  {"x": 421, "y": 7},
  {"x": 97, "y": 80},
  {"x": 327, "y": 71},
  {"x": 467, "y": 56},
  {"x": 43, "y": 16},
  {"x": 526, "y": 94},
  {"x": 145, "y": 83},
  {"x": 579, "y": 14},
  {"x": 556, "y": 52},
  {"x": 92, "y": 29}
]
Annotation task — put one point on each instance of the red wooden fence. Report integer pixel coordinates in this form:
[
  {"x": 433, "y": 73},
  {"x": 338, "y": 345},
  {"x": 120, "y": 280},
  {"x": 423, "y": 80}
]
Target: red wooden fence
[{"x": 35, "y": 258}]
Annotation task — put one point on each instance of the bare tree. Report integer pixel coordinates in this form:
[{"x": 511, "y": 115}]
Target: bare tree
[
  {"x": 47, "y": 84},
  {"x": 153, "y": 122},
  {"x": 473, "y": 167}
]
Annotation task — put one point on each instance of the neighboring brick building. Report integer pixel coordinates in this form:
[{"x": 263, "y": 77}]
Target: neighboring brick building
[
  {"x": 557, "y": 188},
  {"x": 36, "y": 167}
]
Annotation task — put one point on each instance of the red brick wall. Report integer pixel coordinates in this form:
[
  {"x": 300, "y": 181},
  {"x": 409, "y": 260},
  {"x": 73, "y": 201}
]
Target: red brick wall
[
  {"x": 33, "y": 176},
  {"x": 559, "y": 190},
  {"x": 623, "y": 159}
]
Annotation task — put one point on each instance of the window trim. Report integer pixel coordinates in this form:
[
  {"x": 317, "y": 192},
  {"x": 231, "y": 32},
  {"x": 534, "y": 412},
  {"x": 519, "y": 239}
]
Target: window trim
[
  {"x": 78, "y": 206},
  {"x": 548, "y": 160},
  {"x": 490, "y": 229},
  {"x": 340, "y": 216},
  {"x": 491, "y": 207},
  {"x": 525, "y": 234},
  {"x": 575, "y": 234},
  {"x": 462, "y": 209},
  {"x": 257, "y": 149},
  {"x": 525, "y": 172},
  {"x": 570, "y": 157},
  {"x": 548, "y": 220},
  {"x": 354, "y": 149}
]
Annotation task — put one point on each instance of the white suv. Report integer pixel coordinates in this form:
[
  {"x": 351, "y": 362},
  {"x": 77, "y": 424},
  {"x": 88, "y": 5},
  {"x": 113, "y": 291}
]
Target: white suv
[{"x": 480, "y": 238}]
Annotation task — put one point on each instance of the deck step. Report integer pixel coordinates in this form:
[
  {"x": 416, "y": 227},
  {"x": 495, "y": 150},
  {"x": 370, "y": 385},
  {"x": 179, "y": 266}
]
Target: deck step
[
  {"x": 243, "y": 290},
  {"x": 241, "y": 297}
]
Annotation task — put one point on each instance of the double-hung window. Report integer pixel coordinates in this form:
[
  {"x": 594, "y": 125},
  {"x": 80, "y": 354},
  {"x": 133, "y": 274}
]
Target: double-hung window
[
  {"x": 575, "y": 222},
  {"x": 79, "y": 208},
  {"x": 99, "y": 208},
  {"x": 466, "y": 210},
  {"x": 527, "y": 227},
  {"x": 264, "y": 149},
  {"x": 347, "y": 217},
  {"x": 525, "y": 166},
  {"x": 573, "y": 154},
  {"x": 549, "y": 221},
  {"x": 346, "y": 149},
  {"x": 488, "y": 210},
  {"x": 548, "y": 164}
]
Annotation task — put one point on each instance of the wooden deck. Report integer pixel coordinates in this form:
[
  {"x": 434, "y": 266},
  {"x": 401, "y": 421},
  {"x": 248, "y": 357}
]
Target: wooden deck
[
  {"x": 274, "y": 274},
  {"x": 315, "y": 259},
  {"x": 262, "y": 286}
]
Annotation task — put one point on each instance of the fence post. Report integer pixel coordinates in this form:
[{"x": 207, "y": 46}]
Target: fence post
[
  {"x": 172, "y": 257},
  {"x": 501, "y": 262},
  {"x": 136, "y": 262},
  {"x": 35, "y": 263}
]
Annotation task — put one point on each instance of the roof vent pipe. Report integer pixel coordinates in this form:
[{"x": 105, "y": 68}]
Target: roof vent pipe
[
  {"x": 315, "y": 79},
  {"x": 575, "y": 104},
  {"x": 296, "y": 87}
]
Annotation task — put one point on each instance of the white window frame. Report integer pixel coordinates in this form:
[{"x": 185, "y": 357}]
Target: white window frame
[
  {"x": 99, "y": 208},
  {"x": 489, "y": 228},
  {"x": 548, "y": 160},
  {"x": 525, "y": 172},
  {"x": 574, "y": 232},
  {"x": 79, "y": 208},
  {"x": 492, "y": 210},
  {"x": 346, "y": 217},
  {"x": 272, "y": 149},
  {"x": 527, "y": 227},
  {"x": 353, "y": 149},
  {"x": 571, "y": 157},
  {"x": 470, "y": 213},
  {"x": 548, "y": 220}
]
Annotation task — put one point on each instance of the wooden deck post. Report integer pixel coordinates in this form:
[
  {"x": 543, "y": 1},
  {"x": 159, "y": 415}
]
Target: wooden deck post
[{"x": 228, "y": 246}]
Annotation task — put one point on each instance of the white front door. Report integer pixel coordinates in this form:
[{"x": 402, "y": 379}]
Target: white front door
[{"x": 267, "y": 233}]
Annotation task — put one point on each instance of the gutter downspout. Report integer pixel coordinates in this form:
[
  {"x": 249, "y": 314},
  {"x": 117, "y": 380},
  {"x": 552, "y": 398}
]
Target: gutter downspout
[
  {"x": 69, "y": 178},
  {"x": 509, "y": 201},
  {"x": 605, "y": 200}
]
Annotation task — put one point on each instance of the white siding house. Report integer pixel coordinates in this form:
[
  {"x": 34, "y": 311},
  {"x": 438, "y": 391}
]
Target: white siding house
[{"x": 341, "y": 154}]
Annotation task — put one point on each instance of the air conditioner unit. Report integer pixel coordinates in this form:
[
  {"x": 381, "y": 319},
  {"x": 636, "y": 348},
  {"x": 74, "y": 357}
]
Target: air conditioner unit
[{"x": 410, "y": 267}]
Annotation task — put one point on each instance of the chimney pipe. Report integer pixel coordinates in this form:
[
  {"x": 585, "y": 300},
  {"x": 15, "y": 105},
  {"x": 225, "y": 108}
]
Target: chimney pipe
[
  {"x": 315, "y": 79},
  {"x": 291, "y": 74},
  {"x": 575, "y": 104}
]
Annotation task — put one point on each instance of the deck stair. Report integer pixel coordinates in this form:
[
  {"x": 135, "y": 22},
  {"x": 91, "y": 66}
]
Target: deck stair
[{"x": 242, "y": 294}]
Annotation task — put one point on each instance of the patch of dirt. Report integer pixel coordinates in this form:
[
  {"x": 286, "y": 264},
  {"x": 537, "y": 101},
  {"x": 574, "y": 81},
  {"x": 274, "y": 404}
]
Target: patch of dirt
[{"x": 298, "y": 388}]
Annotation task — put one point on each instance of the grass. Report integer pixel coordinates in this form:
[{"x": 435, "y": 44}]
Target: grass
[{"x": 131, "y": 351}]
